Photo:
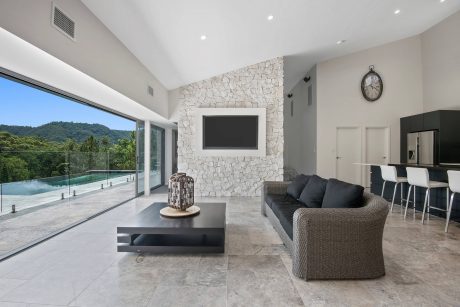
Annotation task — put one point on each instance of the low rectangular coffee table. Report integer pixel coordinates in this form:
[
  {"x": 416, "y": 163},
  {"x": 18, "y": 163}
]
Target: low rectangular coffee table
[{"x": 151, "y": 232}]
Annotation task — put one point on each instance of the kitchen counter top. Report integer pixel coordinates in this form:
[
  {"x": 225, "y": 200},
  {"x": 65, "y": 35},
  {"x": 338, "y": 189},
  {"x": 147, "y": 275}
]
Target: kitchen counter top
[{"x": 444, "y": 167}]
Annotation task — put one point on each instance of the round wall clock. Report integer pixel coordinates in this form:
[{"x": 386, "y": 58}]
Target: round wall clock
[{"x": 372, "y": 85}]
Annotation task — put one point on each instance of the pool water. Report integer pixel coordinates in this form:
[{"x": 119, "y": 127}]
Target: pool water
[
  {"x": 38, "y": 186},
  {"x": 85, "y": 179}
]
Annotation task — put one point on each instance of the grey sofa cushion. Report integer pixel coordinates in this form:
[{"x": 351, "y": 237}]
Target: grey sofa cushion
[
  {"x": 270, "y": 199},
  {"x": 341, "y": 194},
  {"x": 296, "y": 186},
  {"x": 313, "y": 193},
  {"x": 285, "y": 214}
]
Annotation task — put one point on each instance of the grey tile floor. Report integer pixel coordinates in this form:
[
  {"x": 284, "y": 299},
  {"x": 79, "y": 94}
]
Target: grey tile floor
[{"x": 82, "y": 268}]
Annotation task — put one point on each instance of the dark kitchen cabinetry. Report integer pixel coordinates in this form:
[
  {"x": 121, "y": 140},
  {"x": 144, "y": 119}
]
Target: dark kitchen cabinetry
[
  {"x": 415, "y": 123},
  {"x": 445, "y": 123},
  {"x": 431, "y": 120},
  {"x": 449, "y": 137}
]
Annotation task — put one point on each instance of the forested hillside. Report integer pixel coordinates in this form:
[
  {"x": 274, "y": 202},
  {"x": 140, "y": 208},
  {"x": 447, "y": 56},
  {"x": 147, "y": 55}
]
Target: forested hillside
[
  {"x": 32, "y": 157},
  {"x": 62, "y": 131}
]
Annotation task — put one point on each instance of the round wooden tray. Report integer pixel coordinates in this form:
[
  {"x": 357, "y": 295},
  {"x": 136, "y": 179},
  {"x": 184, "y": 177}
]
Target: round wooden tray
[{"x": 170, "y": 212}]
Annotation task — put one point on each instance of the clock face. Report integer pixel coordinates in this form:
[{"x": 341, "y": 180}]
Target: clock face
[{"x": 372, "y": 86}]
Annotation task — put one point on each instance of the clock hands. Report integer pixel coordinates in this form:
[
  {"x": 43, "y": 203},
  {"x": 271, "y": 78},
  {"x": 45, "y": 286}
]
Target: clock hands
[
  {"x": 371, "y": 85},
  {"x": 372, "y": 90}
]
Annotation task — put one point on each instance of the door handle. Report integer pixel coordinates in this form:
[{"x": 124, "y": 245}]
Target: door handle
[{"x": 338, "y": 158}]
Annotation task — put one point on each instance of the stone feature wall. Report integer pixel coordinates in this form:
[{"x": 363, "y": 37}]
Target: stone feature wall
[{"x": 255, "y": 86}]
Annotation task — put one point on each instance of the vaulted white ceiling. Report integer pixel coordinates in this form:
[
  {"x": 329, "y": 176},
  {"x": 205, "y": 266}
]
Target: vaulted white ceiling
[{"x": 165, "y": 34}]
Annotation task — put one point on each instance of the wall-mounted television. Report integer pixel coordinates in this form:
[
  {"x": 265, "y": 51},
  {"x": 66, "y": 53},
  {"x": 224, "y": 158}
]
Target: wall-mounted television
[{"x": 230, "y": 132}]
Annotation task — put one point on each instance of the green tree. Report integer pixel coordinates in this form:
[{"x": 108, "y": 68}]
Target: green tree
[
  {"x": 70, "y": 145},
  {"x": 91, "y": 144},
  {"x": 32, "y": 157},
  {"x": 123, "y": 153},
  {"x": 90, "y": 147},
  {"x": 105, "y": 143},
  {"x": 13, "y": 169}
]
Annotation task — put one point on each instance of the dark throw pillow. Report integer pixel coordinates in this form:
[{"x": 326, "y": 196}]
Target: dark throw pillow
[
  {"x": 341, "y": 194},
  {"x": 296, "y": 186},
  {"x": 313, "y": 193}
]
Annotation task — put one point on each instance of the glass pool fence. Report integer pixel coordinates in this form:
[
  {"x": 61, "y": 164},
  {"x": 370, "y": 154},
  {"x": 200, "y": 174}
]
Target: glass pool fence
[{"x": 29, "y": 179}]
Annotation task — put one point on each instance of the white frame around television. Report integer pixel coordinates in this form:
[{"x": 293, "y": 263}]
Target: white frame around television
[{"x": 261, "y": 138}]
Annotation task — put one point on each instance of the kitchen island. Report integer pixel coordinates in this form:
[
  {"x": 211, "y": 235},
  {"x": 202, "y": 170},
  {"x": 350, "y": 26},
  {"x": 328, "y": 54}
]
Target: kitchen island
[{"x": 437, "y": 198}]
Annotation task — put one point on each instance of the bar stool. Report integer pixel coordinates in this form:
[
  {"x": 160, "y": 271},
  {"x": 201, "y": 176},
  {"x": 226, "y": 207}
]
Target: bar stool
[
  {"x": 419, "y": 177},
  {"x": 454, "y": 185},
  {"x": 389, "y": 174}
]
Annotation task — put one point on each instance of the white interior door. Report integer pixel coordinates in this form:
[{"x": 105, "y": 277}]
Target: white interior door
[
  {"x": 348, "y": 153},
  {"x": 377, "y": 148}
]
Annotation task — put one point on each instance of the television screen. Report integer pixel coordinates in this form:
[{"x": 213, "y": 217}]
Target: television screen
[{"x": 230, "y": 132}]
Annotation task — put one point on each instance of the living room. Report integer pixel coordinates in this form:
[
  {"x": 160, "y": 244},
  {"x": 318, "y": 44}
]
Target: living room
[{"x": 285, "y": 153}]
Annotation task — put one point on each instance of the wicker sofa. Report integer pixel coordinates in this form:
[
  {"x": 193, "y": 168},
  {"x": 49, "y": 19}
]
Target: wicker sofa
[{"x": 329, "y": 243}]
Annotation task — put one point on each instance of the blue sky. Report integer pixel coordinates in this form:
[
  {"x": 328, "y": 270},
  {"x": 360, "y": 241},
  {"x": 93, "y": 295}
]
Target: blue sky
[{"x": 23, "y": 105}]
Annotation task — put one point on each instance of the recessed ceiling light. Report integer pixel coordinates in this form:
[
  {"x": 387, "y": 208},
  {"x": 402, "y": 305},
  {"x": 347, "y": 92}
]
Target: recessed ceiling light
[
  {"x": 397, "y": 11},
  {"x": 340, "y": 42},
  {"x": 442, "y": 1},
  {"x": 203, "y": 37},
  {"x": 270, "y": 17}
]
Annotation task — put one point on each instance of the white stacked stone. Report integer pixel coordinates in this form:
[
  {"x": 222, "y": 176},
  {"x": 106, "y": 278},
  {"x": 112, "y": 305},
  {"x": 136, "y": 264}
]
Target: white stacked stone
[{"x": 255, "y": 86}]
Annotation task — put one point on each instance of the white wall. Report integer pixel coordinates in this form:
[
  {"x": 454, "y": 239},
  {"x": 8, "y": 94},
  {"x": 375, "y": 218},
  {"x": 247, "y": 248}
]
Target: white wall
[
  {"x": 340, "y": 102},
  {"x": 300, "y": 128},
  {"x": 441, "y": 65},
  {"x": 175, "y": 106},
  {"x": 96, "y": 51}
]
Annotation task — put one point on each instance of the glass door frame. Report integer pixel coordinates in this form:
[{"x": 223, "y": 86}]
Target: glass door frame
[
  {"x": 140, "y": 138},
  {"x": 163, "y": 151},
  {"x": 140, "y": 129}
]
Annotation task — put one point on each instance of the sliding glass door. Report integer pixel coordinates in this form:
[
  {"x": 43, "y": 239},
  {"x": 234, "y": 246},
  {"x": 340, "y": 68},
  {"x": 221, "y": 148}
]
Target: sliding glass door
[
  {"x": 62, "y": 161},
  {"x": 140, "y": 127},
  {"x": 157, "y": 149},
  {"x": 157, "y": 136}
]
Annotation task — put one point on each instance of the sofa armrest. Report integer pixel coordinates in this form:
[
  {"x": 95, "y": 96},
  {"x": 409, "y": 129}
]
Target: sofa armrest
[
  {"x": 328, "y": 243},
  {"x": 272, "y": 187}
]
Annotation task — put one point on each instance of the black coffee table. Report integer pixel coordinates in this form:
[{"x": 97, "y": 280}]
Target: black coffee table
[{"x": 151, "y": 232}]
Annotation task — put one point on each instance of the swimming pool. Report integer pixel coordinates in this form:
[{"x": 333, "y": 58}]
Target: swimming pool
[{"x": 38, "y": 186}]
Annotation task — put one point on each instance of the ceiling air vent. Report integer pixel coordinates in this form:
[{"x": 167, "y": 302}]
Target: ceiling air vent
[{"x": 63, "y": 23}]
